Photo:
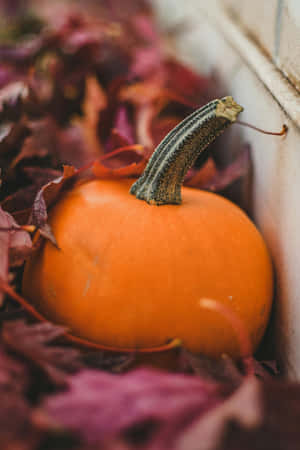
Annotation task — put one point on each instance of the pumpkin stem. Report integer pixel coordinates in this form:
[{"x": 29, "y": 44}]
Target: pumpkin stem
[{"x": 160, "y": 183}]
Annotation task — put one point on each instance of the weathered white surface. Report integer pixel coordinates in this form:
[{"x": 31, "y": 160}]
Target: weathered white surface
[
  {"x": 276, "y": 162},
  {"x": 275, "y": 25},
  {"x": 258, "y": 17},
  {"x": 289, "y": 41}
]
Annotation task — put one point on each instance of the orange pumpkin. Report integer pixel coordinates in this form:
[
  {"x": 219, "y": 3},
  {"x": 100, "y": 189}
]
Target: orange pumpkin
[{"x": 131, "y": 274}]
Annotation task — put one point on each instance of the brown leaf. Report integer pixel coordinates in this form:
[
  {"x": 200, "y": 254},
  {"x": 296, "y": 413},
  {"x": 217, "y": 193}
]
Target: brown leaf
[
  {"x": 4, "y": 248},
  {"x": 95, "y": 101},
  {"x": 12, "y": 98},
  {"x": 45, "y": 197}
]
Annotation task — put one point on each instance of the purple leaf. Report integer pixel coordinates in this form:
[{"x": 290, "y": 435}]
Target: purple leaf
[
  {"x": 32, "y": 343},
  {"x": 13, "y": 7},
  {"x": 123, "y": 125},
  {"x": 99, "y": 406},
  {"x": 13, "y": 374},
  {"x": 16, "y": 428},
  {"x": 15, "y": 245}
]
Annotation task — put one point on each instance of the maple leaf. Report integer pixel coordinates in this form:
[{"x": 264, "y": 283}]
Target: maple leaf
[
  {"x": 31, "y": 342},
  {"x": 99, "y": 406}
]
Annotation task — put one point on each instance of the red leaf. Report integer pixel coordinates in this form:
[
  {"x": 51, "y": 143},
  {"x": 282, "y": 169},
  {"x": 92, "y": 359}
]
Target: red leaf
[
  {"x": 131, "y": 170},
  {"x": 134, "y": 169},
  {"x": 210, "y": 178},
  {"x": 186, "y": 83},
  {"x": 234, "y": 171}
]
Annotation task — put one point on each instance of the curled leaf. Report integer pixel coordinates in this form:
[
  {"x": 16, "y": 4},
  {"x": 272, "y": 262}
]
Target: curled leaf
[{"x": 45, "y": 198}]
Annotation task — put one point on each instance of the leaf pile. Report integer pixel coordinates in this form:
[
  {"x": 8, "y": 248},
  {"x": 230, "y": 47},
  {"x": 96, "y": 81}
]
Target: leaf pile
[{"x": 88, "y": 89}]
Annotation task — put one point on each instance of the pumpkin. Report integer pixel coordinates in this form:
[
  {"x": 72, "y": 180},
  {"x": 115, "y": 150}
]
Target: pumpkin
[{"x": 130, "y": 273}]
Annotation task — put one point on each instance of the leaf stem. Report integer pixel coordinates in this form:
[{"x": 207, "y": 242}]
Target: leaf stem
[
  {"x": 239, "y": 328},
  {"x": 174, "y": 343},
  {"x": 260, "y": 130}
]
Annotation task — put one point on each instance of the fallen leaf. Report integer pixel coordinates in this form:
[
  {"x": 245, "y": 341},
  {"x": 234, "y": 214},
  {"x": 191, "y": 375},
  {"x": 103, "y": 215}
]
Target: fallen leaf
[
  {"x": 99, "y": 406},
  {"x": 234, "y": 171},
  {"x": 221, "y": 370},
  {"x": 45, "y": 197},
  {"x": 14, "y": 376},
  {"x": 244, "y": 407},
  {"x": 31, "y": 342},
  {"x": 15, "y": 245}
]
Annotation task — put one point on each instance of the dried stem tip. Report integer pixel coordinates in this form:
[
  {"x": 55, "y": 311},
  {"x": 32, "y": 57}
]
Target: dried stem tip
[{"x": 160, "y": 184}]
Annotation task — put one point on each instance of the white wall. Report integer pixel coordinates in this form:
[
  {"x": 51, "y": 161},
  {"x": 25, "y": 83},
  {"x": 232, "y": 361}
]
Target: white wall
[{"x": 264, "y": 94}]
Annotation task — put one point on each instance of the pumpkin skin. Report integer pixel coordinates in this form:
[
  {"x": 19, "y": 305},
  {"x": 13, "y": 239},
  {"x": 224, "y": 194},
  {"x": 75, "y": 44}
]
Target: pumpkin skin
[{"x": 130, "y": 274}]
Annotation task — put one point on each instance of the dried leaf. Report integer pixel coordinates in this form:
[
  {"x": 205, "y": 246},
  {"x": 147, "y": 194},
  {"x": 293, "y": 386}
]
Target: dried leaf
[
  {"x": 15, "y": 245},
  {"x": 244, "y": 406},
  {"x": 113, "y": 363},
  {"x": 46, "y": 196},
  {"x": 222, "y": 370},
  {"x": 16, "y": 428},
  {"x": 234, "y": 171},
  {"x": 14, "y": 376},
  {"x": 12, "y": 98},
  {"x": 32, "y": 343},
  {"x": 117, "y": 170},
  {"x": 195, "y": 88},
  {"x": 122, "y": 132},
  {"x": 99, "y": 406},
  {"x": 4, "y": 246}
]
